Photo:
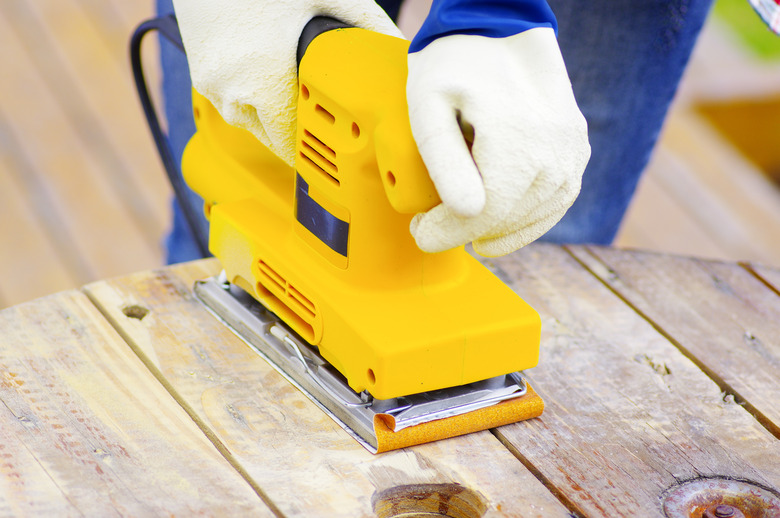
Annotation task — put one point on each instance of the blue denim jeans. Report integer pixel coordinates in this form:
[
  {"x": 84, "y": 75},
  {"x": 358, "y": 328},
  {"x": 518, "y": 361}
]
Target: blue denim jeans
[{"x": 625, "y": 59}]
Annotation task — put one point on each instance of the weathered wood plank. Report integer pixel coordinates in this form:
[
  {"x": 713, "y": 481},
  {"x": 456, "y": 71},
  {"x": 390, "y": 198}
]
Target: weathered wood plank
[
  {"x": 719, "y": 314},
  {"x": 305, "y": 463},
  {"x": 131, "y": 13},
  {"x": 95, "y": 40},
  {"x": 114, "y": 21},
  {"x": 737, "y": 205},
  {"x": 627, "y": 414},
  {"x": 654, "y": 210},
  {"x": 90, "y": 79},
  {"x": 107, "y": 240},
  {"x": 26, "y": 259},
  {"x": 85, "y": 429}
]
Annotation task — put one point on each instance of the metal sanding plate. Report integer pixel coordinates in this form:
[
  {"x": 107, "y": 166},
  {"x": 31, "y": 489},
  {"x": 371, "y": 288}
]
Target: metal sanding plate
[{"x": 302, "y": 366}]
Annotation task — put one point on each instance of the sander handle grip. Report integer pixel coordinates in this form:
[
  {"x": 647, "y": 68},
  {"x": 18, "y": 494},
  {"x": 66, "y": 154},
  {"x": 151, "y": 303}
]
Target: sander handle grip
[{"x": 315, "y": 27}]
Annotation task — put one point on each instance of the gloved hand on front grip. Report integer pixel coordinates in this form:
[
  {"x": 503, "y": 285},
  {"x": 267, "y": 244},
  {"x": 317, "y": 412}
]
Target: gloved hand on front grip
[
  {"x": 242, "y": 57},
  {"x": 513, "y": 97}
]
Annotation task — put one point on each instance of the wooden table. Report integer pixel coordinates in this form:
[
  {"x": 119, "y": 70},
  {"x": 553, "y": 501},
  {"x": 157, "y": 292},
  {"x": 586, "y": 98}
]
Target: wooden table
[{"x": 128, "y": 398}]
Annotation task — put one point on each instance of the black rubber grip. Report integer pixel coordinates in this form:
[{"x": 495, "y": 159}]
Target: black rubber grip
[{"x": 314, "y": 28}]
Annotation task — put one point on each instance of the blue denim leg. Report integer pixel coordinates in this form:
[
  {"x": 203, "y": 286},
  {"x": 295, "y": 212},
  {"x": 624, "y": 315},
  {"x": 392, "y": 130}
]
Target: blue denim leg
[
  {"x": 625, "y": 59},
  {"x": 177, "y": 100}
]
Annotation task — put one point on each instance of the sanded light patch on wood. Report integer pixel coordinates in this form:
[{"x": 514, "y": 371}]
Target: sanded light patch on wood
[
  {"x": 718, "y": 313},
  {"x": 626, "y": 415},
  {"x": 85, "y": 429},
  {"x": 296, "y": 454}
]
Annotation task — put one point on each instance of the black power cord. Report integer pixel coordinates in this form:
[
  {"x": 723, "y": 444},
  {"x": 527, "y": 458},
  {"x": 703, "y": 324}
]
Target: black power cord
[{"x": 168, "y": 28}]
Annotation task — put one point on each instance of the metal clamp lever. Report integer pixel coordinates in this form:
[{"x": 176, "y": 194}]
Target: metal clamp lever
[{"x": 280, "y": 333}]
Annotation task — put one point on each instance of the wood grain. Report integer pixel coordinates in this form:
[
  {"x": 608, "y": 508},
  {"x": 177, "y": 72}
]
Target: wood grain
[
  {"x": 717, "y": 313},
  {"x": 94, "y": 87},
  {"x": 57, "y": 143},
  {"x": 28, "y": 269},
  {"x": 86, "y": 430},
  {"x": 627, "y": 414},
  {"x": 736, "y": 204},
  {"x": 97, "y": 44},
  {"x": 304, "y": 463},
  {"x": 655, "y": 208}
]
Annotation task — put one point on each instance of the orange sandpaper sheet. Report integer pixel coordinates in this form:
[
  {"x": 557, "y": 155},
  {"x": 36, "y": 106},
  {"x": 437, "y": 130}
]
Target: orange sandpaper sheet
[{"x": 519, "y": 409}]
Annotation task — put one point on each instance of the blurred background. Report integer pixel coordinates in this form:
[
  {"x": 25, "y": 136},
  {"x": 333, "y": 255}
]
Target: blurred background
[{"x": 84, "y": 197}]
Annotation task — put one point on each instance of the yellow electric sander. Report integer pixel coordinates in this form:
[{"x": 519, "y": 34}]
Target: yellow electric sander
[{"x": 322, "y": 276}]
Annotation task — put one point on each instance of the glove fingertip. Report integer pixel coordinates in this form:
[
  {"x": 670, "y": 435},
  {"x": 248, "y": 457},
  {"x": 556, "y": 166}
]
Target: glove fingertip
[
  {"x": 414, "y": 224},
  {"x": 429, "y": 235},
  {"x": 467, "y": 203},
  {"x": 458, "y": 183},
  {"x": 426, "y": 244}
]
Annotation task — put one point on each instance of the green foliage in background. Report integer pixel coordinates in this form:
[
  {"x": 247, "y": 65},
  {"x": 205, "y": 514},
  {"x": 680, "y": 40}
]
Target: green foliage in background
[{"x": 745, "y": 22}]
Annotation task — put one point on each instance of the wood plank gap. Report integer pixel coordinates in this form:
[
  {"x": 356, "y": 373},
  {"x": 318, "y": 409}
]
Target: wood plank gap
[
  {"x": 208, "y": 432},
  {"x": 755, "y": 273},
  {"x": 575, "y": 512},
  {"x": 23, "y": 172},
  {"x": 84, "y": 122},
  {"x": 725, "y": 387}
]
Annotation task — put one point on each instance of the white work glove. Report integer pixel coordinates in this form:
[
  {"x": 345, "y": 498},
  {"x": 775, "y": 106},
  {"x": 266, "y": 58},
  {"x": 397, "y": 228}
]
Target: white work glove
[
  {"x": 242, "y": 57},
  {"x": 530, "y": 142}
]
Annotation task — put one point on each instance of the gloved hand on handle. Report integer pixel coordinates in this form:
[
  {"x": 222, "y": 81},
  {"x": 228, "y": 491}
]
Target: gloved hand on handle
[
  {"x": 513, "y": 97},
  {"x": 242, "y": 57},
  {"x": 492, "y": 70}
]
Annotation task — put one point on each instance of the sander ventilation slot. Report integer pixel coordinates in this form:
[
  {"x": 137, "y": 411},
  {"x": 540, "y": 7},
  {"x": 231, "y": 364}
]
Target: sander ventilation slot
[
  {"x": 286, "y": 299},
  {"x": 319, "y": 156}
]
